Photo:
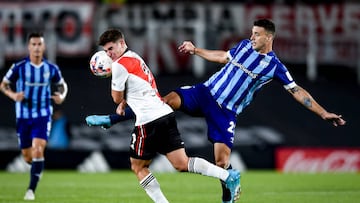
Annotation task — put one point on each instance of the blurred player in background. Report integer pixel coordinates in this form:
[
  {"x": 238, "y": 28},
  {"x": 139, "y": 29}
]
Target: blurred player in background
[
  {"x": 33, "y": 77},
  {"x": 155, "y": 128},
  {"x": 248, "y": 66}
]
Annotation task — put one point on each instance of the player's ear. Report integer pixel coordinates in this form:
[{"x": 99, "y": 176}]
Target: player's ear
[
  {"x": 122, "y": 41},
  {"x": 270, "y": 37}
]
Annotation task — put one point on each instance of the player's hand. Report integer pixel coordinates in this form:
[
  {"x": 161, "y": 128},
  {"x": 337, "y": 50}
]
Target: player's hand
[
  {"x": 187, "y": 47},
  {"x": 336, "y": 120},
  {"x": 58, "y": 98},
  {"x": 99, "y": 120},
  {"x": 18, "y": 96},
  {"x": 121, "y": 108}
]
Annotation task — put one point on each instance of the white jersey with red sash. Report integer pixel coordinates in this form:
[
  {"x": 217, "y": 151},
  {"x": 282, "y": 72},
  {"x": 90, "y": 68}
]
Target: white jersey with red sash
[{"x": 132, "y": 75}]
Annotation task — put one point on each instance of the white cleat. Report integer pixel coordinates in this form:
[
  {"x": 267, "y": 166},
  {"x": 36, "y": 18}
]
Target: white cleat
[{"x": 29, "y": 195}]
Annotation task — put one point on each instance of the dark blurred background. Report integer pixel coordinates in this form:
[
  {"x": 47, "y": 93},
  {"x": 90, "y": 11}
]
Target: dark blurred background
[{"x": 318, "y": 42}]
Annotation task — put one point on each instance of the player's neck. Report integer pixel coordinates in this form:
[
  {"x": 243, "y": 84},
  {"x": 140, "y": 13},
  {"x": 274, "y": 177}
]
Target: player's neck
[
  {"x": 36, "y": 60},
  {"x": 265, "y": 50}
]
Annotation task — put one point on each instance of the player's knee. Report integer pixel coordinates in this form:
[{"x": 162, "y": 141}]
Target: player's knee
[
  {"x": 221, "y": 163},
  {"x": 134, "y": 168},
  {"x": 26, "y": 154},
  {"x": 38, "y": 152},
  {"x": 27, "y": 159},
  {"x": 181, "y": 167},
  {"x": 138, "y": 166}
]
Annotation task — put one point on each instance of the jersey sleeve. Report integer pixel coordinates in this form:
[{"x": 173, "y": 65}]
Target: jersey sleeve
[
  {"x": 12, "y": 74},
  {"x": 119, "y": 77},
  {"x": 229, "y": 56},
  {"x": 284, "y": 77},
  {"x": 57, "y": 76}
]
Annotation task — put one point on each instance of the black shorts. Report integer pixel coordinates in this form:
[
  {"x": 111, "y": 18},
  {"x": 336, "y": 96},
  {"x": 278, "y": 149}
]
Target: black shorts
[{"x": 159, "y": 136}]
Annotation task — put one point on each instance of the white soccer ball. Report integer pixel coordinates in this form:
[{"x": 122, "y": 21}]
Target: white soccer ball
[{"x": 100, "y": 64}]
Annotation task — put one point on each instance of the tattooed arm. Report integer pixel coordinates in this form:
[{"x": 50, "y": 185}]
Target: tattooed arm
[{"x": 303, "y": 97}]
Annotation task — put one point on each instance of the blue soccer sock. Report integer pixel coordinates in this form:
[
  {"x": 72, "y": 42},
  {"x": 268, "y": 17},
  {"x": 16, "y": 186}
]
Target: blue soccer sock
[
  {"x": 37, "y": 167},
  {"x": 226, "y": 195},
  {"x": 116, "y": 118}
]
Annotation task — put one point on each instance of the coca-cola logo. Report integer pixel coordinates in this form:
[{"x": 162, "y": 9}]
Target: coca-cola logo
[{"x": 332, "y": 161}]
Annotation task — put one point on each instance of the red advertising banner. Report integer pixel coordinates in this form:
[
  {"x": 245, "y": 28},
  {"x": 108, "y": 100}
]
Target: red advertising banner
[
  {"x": 67, "y": 26},
  {"x": 315, "y": 160}
]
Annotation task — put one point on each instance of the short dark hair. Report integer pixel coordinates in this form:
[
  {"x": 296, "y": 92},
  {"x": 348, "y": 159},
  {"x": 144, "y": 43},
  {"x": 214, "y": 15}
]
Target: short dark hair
[
  {"x": 267, "y": 24},
  {"x": 35, "y": 35},
  {"x": 111, "y": 35}
]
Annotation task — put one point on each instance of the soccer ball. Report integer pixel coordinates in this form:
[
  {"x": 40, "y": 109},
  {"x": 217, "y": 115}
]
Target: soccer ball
[{"x": 100, "y": 64}]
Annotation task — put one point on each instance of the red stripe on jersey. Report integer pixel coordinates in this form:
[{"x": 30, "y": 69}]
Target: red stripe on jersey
[{"x": 136, "y": 67}]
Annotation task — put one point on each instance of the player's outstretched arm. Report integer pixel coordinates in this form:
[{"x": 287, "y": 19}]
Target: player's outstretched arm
[
  {"x": 304, "y": 97},
  {"x": 106, "y": 121},
  {"x": 218, "y": 56}
]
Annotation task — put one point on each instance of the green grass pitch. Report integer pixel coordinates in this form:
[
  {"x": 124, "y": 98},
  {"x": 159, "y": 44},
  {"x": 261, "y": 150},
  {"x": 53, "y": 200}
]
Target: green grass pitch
[{"x": 123, "y": 187}]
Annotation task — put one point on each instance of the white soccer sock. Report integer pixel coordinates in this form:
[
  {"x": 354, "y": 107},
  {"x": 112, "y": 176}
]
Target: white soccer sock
[
  {"x": 152, "y": 188},
  {"x": 199, "y": 165}
]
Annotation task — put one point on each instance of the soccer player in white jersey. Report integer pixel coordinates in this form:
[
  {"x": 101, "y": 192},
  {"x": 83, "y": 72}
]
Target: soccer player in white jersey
[
  {"x": 155, "y": 128},
  {"x": 33, "y": 77},
  {"x": 248, "y": 66}
]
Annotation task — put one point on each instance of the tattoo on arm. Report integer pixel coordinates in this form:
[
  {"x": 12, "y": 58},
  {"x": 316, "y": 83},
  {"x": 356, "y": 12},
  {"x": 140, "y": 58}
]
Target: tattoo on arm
[
  {"x": 307, "y": 102},
  {"x": 294, "y": 89}
]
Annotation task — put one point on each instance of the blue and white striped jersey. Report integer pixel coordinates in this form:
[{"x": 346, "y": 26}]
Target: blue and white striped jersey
[
  {"x": 35, "y": 82},
  {"x": 234, "y": 86}
]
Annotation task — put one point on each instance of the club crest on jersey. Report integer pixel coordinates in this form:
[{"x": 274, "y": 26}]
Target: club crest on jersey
[
  {"x": 46, "y": 75},
  {"x": 263, "y": 63}
]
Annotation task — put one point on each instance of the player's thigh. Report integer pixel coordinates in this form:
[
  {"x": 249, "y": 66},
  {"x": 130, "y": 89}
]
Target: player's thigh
[
  {"x": 23, "y": 130},
  {"x": 191, "y": 100},
  {"x": 41, "y": 128},
  {"x": 221, "y": 126}
]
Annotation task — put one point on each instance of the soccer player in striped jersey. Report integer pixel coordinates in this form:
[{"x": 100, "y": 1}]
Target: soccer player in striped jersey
[
  {"x": 155, "y": 129},
  {"x": 33, "y": 77},
  {"x": 249, "y": 65}
]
